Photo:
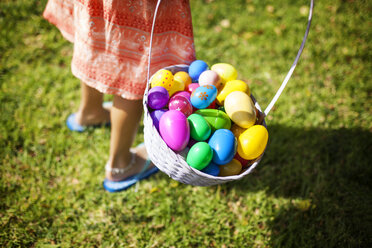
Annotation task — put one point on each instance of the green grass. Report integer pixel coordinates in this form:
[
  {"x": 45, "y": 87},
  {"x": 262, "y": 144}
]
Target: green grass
[{"x": 312, "y": 188}]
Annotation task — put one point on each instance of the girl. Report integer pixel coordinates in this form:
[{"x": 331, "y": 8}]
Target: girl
[{"x": 110, "y": 56}]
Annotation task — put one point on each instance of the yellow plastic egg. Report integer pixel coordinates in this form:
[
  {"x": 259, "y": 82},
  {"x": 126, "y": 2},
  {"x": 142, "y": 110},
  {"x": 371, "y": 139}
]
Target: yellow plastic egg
[
  {"x": 236, "y": 130},
  {"x": 163, "y": 78},
  {"x": 232, "y": 168},
  {"x": 252, "y": 142},
  {"x": 240, "y": 108},
  {"x": 226, "y": 71},
  {"x": 231, "y": 86},
  {"x": 181, "y": 81}
]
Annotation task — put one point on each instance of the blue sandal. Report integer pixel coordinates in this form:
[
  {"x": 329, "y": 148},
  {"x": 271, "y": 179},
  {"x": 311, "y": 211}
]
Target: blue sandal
[
  {"x": 116, "y": 186},
  {"x": 76, "y": 127}
]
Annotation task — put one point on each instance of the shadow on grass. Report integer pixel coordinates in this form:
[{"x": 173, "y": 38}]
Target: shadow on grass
[{"x": 326, "y": 174}]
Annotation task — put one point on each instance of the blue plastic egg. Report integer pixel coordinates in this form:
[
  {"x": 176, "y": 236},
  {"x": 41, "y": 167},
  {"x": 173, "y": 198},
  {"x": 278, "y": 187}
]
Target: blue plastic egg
[
  {"x": 203, "y": 96},
  {"x": 196, "y": 68},
  {"x": 223, "y": 144},
  {"x": 212, "y": 169}
]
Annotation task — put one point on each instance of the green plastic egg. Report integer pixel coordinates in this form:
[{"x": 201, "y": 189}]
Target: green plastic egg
[
  {"x": 199, "y": 127},
  {"x": 200, "y": 155},
  {"x": 217, "y": 119}
]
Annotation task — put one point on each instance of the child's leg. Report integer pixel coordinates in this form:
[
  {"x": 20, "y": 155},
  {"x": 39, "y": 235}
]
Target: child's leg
[
  {"x": 125, "y": 118},
  {"x": 91, "y": 111}
]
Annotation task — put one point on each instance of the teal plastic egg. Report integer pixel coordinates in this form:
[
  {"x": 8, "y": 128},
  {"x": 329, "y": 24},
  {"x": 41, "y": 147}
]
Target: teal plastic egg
[
  {"x": 203, "y": 96},
  {"x": 200, "y": 155},
  {"x": 199, "y": 128}
]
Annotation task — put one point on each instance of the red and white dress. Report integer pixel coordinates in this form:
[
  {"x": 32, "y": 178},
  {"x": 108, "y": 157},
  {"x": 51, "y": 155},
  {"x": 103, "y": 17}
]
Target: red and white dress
[{"x": 111, "y": 40}]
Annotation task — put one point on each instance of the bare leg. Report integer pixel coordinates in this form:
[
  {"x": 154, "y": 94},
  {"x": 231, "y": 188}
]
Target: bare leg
[
  {"x": 91, "y": 111},
  {"x": 125, "y": 118}
]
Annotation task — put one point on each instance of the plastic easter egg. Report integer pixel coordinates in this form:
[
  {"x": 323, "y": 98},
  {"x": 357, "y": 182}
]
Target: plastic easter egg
[
  {"x": 191, "y": 142},
  {"x": 174, "y": 129},
  {"x": 196, "y": 68},
  {"x": 203, "y": 96},
  {"x": 199, "y": 127},
  {"x": 240, "y": 108},
  {"x": 200, "y": 155},
  {"x": 191, "y": 87},
  {"x": 230, "y": 169},
  {"x": 158, "y": 97},
  {"x": 209, "y": 77},
  {"x": 252, "y": 142},
  {"x": 223, "y": 144},
  {"x": 222, "y": 108},
  {"x": 183, "y": 93},
  {"x": 231, "y": 86},
  {"x": 212, "y": 169},
  {"x": 242, "y": 161},
  {"x": 217, "y": 119},
  {"x": 183, "y": 78},
  {"x": 156, "y": 115},
  {"x": 212, "y": 105},
  {"x": 236, "y": 130},
  {"x": 180, "y": 103},
  {"x": 163, "y": 78},
  {"x": 226, "y": 72}
]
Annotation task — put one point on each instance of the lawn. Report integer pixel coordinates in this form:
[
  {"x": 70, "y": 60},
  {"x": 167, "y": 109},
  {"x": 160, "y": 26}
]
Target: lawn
[{"x": 312, "y": 188}]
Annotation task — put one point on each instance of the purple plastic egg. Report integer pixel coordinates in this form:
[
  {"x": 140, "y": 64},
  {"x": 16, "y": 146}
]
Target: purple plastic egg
[
  {"x": 180, "y": 103},
  {"x": 158, "y": 97},
  {"x": 175, "y": 130},
  {"x": 183, "y": 93},
  {"x": 156, "y": 115}
]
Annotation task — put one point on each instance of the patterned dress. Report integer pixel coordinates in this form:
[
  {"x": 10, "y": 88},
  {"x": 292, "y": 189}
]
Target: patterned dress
[{"x": 111, "y": 40}]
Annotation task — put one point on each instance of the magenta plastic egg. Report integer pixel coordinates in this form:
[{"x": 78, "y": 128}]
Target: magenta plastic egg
[
  {"x": 180, "y": 103},
  {"x": 156, "y": 115},
  {"x": 191, "y": 87},
  {"x": 183, "y": 93},
  {"x": 174, "y": 129},
  {"x": 158, "y": 97},
  {"x": 203, "y": 96}
]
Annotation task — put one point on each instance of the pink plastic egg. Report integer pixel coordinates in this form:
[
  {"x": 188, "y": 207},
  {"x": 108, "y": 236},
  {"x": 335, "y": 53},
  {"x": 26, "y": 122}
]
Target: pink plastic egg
[
  {"x": 175, "y": 130},
  {"x": 192, "y": 87},
  {"x": 180, "y": 103},
  {"x": 183, "y": 93}
]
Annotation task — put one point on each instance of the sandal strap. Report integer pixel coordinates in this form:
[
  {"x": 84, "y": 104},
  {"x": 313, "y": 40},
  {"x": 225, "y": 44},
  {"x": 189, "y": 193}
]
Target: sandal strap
[
  {"x": 145, "y": 167},
  {"x": 121, "y": 170}
]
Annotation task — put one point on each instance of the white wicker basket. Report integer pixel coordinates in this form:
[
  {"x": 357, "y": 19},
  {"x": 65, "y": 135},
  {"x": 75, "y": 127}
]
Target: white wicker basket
[{"x": 174, "y": 164}]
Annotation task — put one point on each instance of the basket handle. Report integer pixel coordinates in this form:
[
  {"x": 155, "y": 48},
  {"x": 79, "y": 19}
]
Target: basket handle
[{"x": 286, "y": 79}]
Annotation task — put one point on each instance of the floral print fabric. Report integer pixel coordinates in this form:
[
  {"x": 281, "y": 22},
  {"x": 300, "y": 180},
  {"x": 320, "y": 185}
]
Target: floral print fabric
[{"x": 111, "y": 40}]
